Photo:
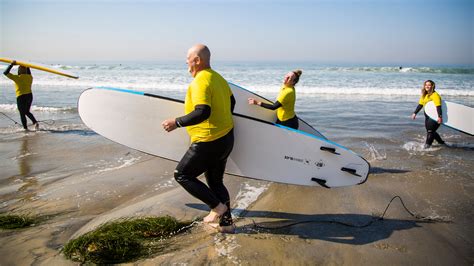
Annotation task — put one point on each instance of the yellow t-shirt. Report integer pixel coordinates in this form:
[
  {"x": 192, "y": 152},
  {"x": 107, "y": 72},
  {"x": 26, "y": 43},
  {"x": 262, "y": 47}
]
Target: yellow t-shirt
[
  {"x": 287, "y": 98},
  {"x": 22, "y": 83},
  {"x": 431, "y": 97},
  {"x": 209, "y": 88}
]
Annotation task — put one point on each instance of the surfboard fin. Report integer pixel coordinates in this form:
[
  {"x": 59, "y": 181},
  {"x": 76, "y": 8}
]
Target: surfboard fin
[
  {"x": 329, "y": 149},
  {"x": 350, "y": 171},
  {"x": 321, "y": 182}
]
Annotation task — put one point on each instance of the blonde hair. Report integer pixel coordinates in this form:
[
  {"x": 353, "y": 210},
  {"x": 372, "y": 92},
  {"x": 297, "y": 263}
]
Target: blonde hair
[
  {"x": 298, "y": 73},
  {"x": 433, "y": 86}
]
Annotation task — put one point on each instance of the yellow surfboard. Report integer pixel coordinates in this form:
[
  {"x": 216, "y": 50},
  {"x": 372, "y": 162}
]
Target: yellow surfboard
[{"x": 40, "y": 67}]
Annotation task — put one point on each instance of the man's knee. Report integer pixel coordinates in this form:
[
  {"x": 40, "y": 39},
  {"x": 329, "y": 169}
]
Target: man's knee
[{"x": 179, "y": 176}]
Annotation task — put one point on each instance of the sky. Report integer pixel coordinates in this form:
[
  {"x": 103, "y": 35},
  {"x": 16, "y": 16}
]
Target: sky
[{"x": 422, "y": 32}]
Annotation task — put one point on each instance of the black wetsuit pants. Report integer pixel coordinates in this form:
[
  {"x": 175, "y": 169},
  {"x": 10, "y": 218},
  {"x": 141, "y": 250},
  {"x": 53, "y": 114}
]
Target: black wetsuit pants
[
  {"x": 431, "y": 134},
  {"x": 24, "y": 103},
  {"x": 292, "y": 122},
  {"x": 209, "y": 158}
]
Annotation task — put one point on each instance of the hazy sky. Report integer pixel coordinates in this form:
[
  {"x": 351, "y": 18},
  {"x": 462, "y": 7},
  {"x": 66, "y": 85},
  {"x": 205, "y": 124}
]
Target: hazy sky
[{"x": 320, "y": 31}]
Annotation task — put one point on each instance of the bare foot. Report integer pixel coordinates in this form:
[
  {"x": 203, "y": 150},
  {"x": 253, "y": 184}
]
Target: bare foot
[{"x": 215, "y": 214}]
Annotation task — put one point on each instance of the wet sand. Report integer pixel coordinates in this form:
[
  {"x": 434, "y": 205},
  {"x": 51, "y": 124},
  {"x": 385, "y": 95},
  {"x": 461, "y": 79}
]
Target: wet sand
[
  {"x": 80, "y": 180},
  {"x": 398, "y": 239}
]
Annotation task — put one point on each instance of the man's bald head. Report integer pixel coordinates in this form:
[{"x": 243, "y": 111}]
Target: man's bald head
[
  {"x": 202, "y": 51},
  {"x": 198, "y": 58}
]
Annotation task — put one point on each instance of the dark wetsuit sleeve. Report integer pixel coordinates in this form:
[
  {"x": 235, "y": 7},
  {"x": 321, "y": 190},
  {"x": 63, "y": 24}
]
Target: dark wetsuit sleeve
[
  {"x": 440, "y": 113},
  {"x": 232, "y": 103},
  {"x": 274, "y": 106},
  {"x": 201, "y": 112},
  {"x": 7, "y": 71},
  {"x": 418, "y": 108}
]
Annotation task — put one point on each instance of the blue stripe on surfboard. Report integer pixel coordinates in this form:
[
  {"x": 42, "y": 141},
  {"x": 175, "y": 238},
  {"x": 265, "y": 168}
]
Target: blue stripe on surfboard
[
  {"x": 122, "y": 90},
  {"x": 140, "y": 93},
  {"x": 249, "y": 91}
]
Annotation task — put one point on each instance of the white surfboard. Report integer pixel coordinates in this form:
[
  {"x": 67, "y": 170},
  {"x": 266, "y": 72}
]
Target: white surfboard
[
  {"x": 455, "y": 116},
  {"x": 242, "y": 107},
  {"x": 262, "y": 150}
]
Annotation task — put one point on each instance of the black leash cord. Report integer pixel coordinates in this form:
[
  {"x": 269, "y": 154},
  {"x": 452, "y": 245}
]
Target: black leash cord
[
  {"x": 16, "y": 123},
  {"x": 48, "y": 122},
  {"x": 417, "y": 217}
]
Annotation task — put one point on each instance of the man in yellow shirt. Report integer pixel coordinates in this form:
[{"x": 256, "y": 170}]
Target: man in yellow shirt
[
  {"x": 208, "y": 119},
  {"x": 24, "y": 96}
]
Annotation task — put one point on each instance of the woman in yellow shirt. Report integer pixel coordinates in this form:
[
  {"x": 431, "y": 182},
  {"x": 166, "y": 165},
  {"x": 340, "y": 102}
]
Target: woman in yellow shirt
[
  {"x": 24, "y": 96},
  {"x": 285, "y": 103},
  {"x": 428, "y": 94}
]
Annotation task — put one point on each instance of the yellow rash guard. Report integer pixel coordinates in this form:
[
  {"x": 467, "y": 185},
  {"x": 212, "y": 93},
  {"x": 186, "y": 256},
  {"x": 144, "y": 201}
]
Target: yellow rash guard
[
  {"x": 22, "y": 83},
  {"x": 287, "y": 98},
  {"x": 209, "y": 88},
  {"x": 431, "y": 97}
]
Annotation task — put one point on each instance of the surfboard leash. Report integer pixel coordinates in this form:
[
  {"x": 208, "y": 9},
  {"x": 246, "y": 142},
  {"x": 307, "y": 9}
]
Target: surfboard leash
[
  {"x": 48, "y": 122},
  {"x": 425, "y": 219},
  {"x": 16, "y": 123}
]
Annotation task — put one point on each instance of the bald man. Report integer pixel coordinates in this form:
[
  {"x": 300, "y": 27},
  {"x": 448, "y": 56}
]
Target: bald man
[{"x": 208, "y": 119}]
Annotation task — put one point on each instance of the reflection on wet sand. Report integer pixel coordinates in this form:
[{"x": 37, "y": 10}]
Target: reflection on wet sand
[
  {"x": 24, "y": 167},
  {"x": 24, "y": 170}
]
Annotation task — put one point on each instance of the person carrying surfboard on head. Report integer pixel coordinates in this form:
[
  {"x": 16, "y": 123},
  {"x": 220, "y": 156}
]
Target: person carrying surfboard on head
[
  {"x": 285, "y": 103},
  {"x": 208, "y": 119},
  {"x": 24, "y": 96},
  {"x": 428, "y": 94}
]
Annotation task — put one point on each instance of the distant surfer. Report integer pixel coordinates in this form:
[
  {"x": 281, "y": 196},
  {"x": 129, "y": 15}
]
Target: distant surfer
[
  {"x": 428, "y": 94},
  {"x": 208, "y": 119},
  {"x": 24, "y": 96},
  {"x": 285, "y": 103}
]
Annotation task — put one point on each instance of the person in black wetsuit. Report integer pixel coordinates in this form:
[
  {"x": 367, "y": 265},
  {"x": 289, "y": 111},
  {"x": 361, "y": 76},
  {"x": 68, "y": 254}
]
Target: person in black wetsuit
[
  {"x": 428, "y": 94},
  {"x": 285, "y": 103},
  {"x": 24, "y": 96},
  {"x": 208, "y": 119}
]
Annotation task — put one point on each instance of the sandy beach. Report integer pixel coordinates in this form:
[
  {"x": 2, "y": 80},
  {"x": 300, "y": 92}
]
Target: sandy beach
[{"x": 78, "y": 180}]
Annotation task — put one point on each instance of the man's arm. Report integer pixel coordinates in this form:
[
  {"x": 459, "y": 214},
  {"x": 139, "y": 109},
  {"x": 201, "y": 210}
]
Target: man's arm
[{"x": 201, "y": 112}]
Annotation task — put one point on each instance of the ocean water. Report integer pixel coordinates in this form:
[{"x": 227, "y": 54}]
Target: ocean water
[
  {"x": 366, "y": 108},
  {"x": 367, "y": 83}
]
